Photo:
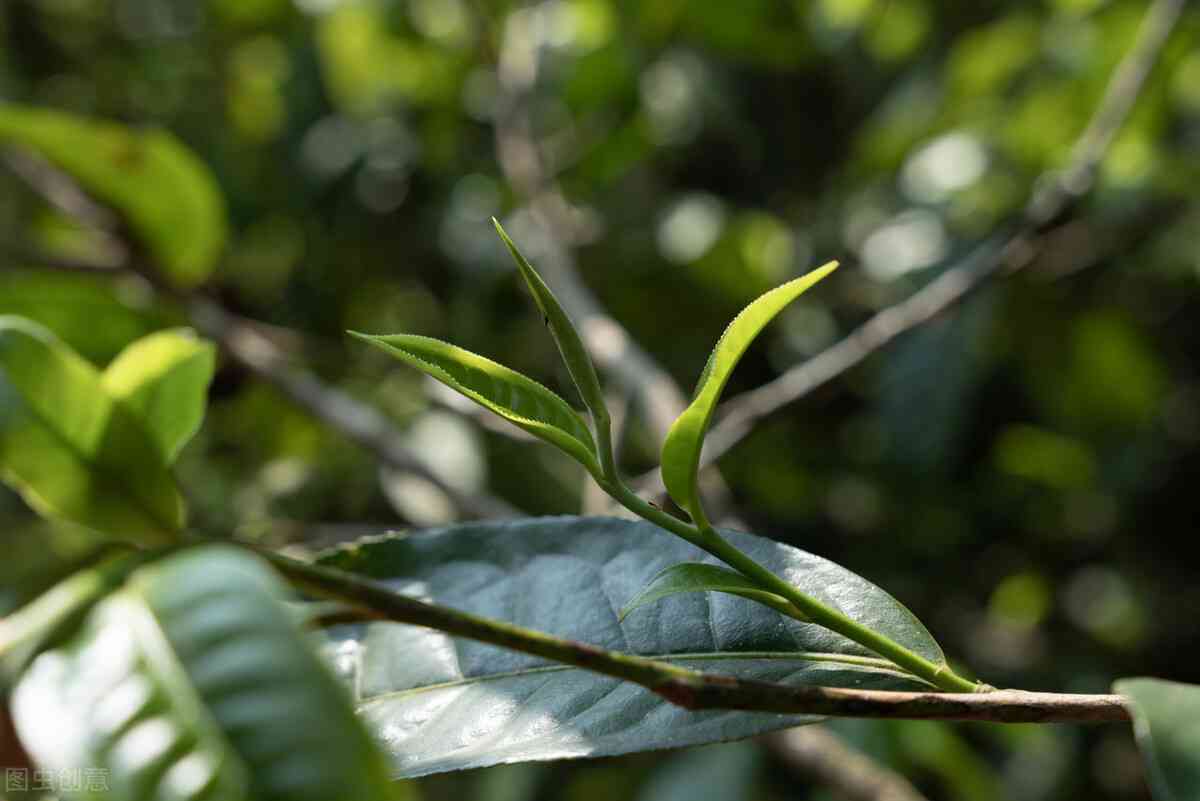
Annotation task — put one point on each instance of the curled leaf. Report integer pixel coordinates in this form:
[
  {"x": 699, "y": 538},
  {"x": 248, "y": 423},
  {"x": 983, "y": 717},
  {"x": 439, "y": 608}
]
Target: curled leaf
[
  {"x": 681, "y": 449},
  {"x": 515, "y": 397},
  {"x": 570, "y": 345}
]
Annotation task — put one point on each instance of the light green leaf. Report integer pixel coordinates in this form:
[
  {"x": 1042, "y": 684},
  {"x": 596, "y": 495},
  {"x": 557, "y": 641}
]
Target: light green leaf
[
  {"x": 72, "y": 451},
  {"x": 164, "y": 378},
  {"x": 701, "y": 577},
  {"x": 681, "y": 450},
  {"x": 90, "y": 313},
  {"x": 191, "y": 682},
  {"x": 445, "y": 703},
  {"x": 168, "y": 197},
  {"x": 1166, "y": 722},
  {"x": 515, "y": 397},
  {"x": 574, "y": 354}
]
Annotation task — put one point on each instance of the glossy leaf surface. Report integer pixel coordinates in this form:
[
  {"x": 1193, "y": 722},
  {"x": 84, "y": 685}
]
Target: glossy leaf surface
[
  {"x": 515, "y": 397},
  {"x": 71, "y": 450},
  {"x": 443, "y": 703},
  {"x": 192, "y": 683},
  {"x": 681, "y": 449}
]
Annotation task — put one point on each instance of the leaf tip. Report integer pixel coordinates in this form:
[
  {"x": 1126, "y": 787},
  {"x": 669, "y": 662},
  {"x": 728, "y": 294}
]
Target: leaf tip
[{"x": 500, "y": 230}]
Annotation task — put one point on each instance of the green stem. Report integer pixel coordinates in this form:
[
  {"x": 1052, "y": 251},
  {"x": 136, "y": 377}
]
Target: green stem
[
  {"x": 375, "y": 601},
  {"x": 707, "y": 538},
  {"x": 693, "y": 689},
  {"x": 608, "y": 461}
]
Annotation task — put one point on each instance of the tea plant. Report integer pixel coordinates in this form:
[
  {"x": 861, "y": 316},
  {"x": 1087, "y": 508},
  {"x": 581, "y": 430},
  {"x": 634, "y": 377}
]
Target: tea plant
[{"x": 182, "y": 666}]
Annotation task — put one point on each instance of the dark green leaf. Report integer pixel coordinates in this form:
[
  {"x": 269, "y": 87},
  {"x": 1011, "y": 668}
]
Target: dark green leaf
[
  {"x": 164, "y": 378},
  {"x": 1166, "y": 721},
  {"x": 443, "y": 703},
  {"x": 71, "y": 450},
  {"x": 515, "y": 397},
  {"x": 681, "y": 449},
  {"x": 700, "y": 577},
  {"x": 574, "y": 354},
  {"x": 191, "y": 682},
  {"x": 168, "y": 196}
]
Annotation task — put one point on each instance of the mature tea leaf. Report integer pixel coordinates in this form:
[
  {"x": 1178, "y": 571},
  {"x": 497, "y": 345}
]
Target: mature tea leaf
[
  {"x": 681, "y": 450},
  {"x": 701, "y": 577},
  {"x": 168, "y": 196},
  {"x": 515, "y": 397},
  {"x": 1166, "y": 721},
  {"x": 570, "y": 345},
  {"x": 191, "y": 682},
  {"x": 164, "y": 378},
  {"x": 72, "y": 451},
  {"x": 443, "y": 703}
]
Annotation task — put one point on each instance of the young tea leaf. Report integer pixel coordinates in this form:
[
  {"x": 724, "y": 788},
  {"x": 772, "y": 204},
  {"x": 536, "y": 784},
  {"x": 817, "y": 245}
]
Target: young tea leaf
[
  {"x": 701, "y": 577},
  {"x": 570, "y": 345},
  {"x": 71, "y": 450},
  {"x": 166, "y": 194},
  {"x": 164, "y": 378},
  {"x": 1166, "y": 722},
  {"x": 681, "y": 450},
  {"x": 192, "y": 682},
  {"x": 515, "y": 397}
]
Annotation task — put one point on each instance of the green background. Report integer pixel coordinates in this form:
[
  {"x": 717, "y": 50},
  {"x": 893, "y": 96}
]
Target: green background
[{"x": 1020, "y": 473}]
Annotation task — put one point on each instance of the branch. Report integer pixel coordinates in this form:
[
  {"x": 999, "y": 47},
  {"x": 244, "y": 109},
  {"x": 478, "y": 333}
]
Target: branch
[
  {"x": 690, "y": 688},
  {"x": 813, "y": 752},
  {"x": 244, "y": 343},
  {"x": 1055, "y": 196}
]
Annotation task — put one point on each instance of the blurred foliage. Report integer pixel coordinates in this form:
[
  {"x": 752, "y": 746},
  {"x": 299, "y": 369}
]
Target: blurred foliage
[{"x": 1019, "y": 472}]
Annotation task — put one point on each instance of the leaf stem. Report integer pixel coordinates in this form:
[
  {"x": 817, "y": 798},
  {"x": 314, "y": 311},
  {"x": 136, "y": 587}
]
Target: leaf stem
[
  {"x": 604, "y": 445},
  {"x": 693, "y": 689},
  {"x": 707, "y": 538}
]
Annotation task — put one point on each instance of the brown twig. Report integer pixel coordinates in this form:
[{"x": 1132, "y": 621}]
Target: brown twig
[{"x": 1054, "y": 197}]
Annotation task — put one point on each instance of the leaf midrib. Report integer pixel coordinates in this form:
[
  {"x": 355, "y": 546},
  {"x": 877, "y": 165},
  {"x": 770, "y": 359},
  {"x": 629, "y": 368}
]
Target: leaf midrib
[{"x": 865, "y": 664}]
